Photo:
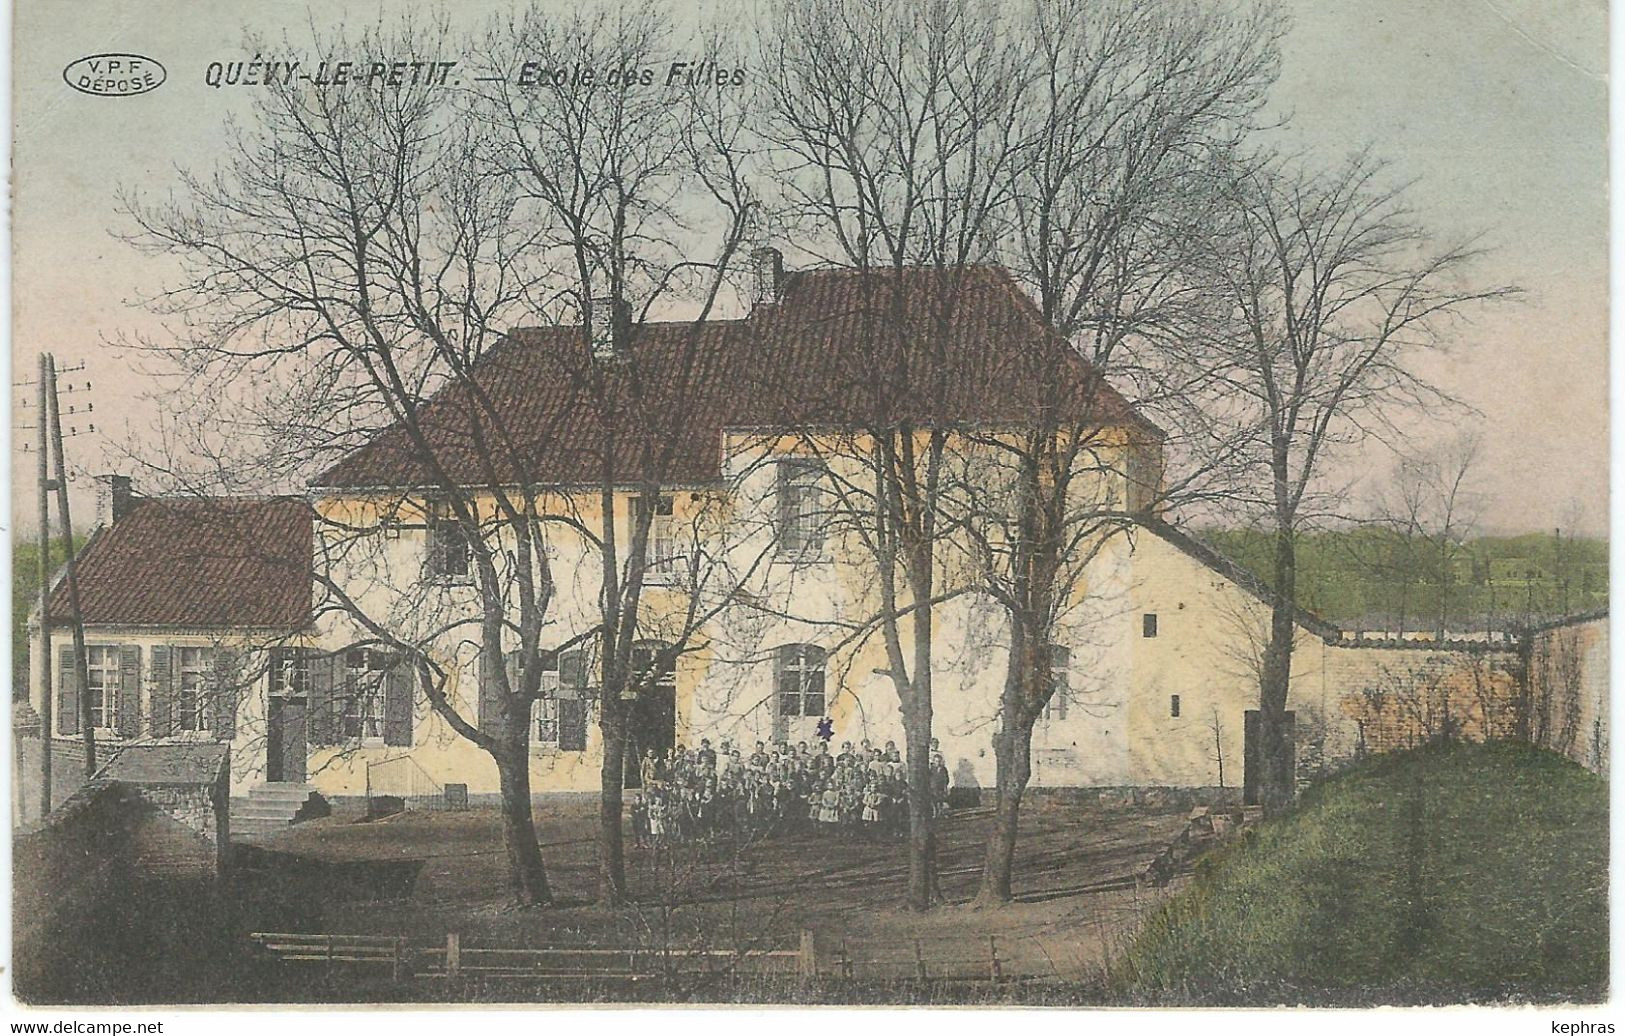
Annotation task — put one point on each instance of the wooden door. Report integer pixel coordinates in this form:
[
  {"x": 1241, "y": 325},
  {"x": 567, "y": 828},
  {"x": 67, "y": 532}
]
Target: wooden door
[{"x": 285, "y": 741}]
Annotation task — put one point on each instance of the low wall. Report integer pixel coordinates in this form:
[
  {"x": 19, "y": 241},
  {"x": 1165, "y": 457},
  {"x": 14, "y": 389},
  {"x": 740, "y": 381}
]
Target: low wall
[{"x": 1567, "y": 693}]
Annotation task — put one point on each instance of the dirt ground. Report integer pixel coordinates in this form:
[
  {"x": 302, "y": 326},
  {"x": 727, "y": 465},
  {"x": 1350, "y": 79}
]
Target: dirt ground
[{"x": 1077, "y": 901}]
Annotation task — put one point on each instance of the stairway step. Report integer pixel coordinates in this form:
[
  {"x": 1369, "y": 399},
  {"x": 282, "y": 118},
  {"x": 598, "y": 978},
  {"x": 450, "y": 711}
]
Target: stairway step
[{"x": 270, "y": 816}]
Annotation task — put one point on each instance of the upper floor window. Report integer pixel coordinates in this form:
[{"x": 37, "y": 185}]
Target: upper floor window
[
  {"x": 191, "y": 677},
  {"x": 802, "y": 506},
  {"x": 662, "y": 555},
  {"x": 1148, "y": 624},
  {"x": 1060, "y": 662},
  {"x": 102, "y": 684},
  {"x": 801, "y": 680},
  {"x": 449, "y": 551}
]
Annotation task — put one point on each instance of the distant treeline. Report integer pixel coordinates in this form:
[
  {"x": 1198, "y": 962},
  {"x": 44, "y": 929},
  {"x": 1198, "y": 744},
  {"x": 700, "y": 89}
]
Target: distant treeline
[
  {"x": 24, "y": 596},
  {"x": 1381, "y": 579}
]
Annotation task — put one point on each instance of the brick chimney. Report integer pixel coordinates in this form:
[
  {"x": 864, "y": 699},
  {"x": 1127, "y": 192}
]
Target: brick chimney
[
  {"x": 768, "y": 266},
  {"x": 607, "y": 328},
  {"x": 113, "y": 498}
]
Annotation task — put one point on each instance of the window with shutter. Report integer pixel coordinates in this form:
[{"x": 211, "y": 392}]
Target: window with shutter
[
  {"x": 545, "y": 710},
  {"x": 449, "y": 554},
  {"x": 802, "y": 509},
  {"x": 1060, "y": 661},
  {"x": 362, "y": 715},
  {"x": 191, "y": 679},
  {"x": 102, "y": 677}
]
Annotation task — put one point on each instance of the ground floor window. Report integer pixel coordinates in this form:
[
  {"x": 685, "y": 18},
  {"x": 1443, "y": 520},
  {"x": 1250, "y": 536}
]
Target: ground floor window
[
  {"x": 801, "y": 680},
  {"x": 191, "y": 671},
  {"x": 102, "y": 684},
  {"x": 363, "y": 693}
]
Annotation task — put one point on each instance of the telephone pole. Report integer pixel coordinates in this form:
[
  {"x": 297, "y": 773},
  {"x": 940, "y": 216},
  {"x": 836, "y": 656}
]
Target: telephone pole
[
  {"x": 47, "y": 724},
  {"x": 80, "y": 656}
]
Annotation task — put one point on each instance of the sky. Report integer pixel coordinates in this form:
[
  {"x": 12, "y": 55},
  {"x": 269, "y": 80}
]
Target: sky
[{"x": 1495, "y": 110}]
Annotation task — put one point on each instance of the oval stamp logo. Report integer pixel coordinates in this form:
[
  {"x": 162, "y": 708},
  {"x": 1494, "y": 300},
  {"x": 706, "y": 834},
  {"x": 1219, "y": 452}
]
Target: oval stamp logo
[{"x": 115, "y": 75}]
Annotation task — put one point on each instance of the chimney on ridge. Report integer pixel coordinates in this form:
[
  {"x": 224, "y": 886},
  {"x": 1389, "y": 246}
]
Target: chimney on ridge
[
  {"x": 607, "y": 328},
  {"x": 768, "y": 266},
  {"x": 113, "y": 498}
]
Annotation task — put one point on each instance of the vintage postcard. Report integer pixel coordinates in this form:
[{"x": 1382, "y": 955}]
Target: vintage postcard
[{"x": 983, "y": 502}]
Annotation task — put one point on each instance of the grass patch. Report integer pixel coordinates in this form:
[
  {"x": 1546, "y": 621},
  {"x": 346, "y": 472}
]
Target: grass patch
[{"x": 1454, "y": 873}]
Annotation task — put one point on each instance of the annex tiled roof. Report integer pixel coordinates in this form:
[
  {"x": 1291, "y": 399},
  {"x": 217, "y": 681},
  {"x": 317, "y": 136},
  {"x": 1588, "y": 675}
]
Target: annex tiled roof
[
  {"x": 166, "y": 763},
  {"x": 840, "y": 349},
  {"x": 1242, "y": 577},
  {"x": 197, "y": 562}
]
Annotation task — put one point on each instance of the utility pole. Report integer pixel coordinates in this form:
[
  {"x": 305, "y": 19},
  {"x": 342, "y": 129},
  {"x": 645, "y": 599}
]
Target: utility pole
[
  {"x": 80, "y": 657},
  {"x": 47, "y": 725}
]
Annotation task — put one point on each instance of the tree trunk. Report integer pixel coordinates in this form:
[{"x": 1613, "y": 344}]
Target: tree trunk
[
  {"x": 1012, "y": 757},
  {"x": 1276, "y": 783},
  {"x": 922, "y": 824},
  {"x": 612, "y": 781},
  {"x": 1012, "y": 751},
  {"x": 525, "y": 868}
]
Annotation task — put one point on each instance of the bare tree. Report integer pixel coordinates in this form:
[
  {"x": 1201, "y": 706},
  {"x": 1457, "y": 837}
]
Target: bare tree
[
  {"x": 632, "y": 164},
  {"x": 1334, "y": 290},
  {"x": 894, "y": 130},
  {"x": 350, "y": 264},
  {"x": 1127, "y": 101}
]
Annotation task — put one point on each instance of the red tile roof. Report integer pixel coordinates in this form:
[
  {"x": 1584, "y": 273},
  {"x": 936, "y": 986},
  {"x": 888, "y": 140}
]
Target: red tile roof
[
  {"x": 197, "y": 562},
  {"x": 841, "y": 349}
]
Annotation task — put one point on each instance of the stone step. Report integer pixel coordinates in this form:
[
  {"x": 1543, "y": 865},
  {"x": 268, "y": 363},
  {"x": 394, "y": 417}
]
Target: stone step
[
  {"x": 289, "y": 793},
  {"x": 281, "y": 816}
]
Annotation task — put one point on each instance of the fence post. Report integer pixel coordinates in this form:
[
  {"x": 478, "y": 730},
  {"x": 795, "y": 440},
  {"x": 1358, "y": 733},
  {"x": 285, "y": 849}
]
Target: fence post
[
  {"x": 454, "y": 954},
  {"x": 329, "y": 953},
  {"x": 807, "y": 959},
  {"x": 400, "y": 958},
  {"x": 995, "y": 969},
  {"x": 846, "y": 962},
  {"x": 919, "y": 960}
]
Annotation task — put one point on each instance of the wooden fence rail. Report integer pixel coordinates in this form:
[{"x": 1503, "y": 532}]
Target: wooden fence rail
[{"x": 453, "y": 959}]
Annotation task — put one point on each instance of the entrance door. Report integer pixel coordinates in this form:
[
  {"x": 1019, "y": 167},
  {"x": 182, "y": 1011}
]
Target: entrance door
[
  {"x": 1253, "y": 762},
  {"x": 652, "y": 724},
  {"x": 285, "y": 741}
]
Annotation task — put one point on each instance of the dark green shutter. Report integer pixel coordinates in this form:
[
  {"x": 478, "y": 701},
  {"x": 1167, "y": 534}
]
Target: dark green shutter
[
  {"x": 319, "y": 701},
  {"x": 67, "y": 697},
  {"x": 572, "y": 725},
  {"x": 162, "y": 705},
  {"x": 129, "y": 692},
  {"x": 398, "y": 683},
  {"x": 225, "y": 673},
  {"x": 572, "y": 674},
  {"x": 490, "y": 695}
]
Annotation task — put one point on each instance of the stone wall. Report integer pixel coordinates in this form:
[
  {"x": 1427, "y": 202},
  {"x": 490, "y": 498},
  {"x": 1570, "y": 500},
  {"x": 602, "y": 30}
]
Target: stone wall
[
  {"x": 1567, "y": 694},
  {"x": 1385, "y": 696}
]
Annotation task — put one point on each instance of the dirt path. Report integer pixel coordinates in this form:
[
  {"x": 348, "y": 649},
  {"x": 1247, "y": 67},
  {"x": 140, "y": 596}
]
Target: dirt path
[{"x": 1076, "y": 900}]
